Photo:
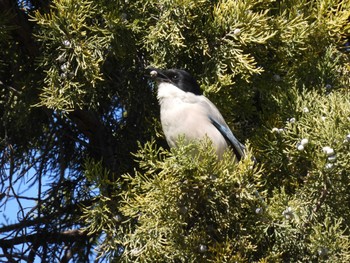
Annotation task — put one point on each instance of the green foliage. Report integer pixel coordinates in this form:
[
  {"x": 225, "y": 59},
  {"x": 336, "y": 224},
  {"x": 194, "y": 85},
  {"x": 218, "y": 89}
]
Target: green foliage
[
  {"x": 238, "y": 26},
  {"x": 313, "y": 116},
  {"x": 186, "y": 207},
  {"x": 279, "y": 71},
  {"x": 5, "y": 36},
  {"x": 215, "y": 38},
  {"x": 76, "y": 41},
  {"x": 315, "y": 180},
  {"x": 19, "y": 122},
  {"x": 298, "y": 235},
  {"x": 102, "y": 216}
]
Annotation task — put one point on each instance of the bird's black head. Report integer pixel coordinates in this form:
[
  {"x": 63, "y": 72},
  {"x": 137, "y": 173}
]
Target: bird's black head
[{"x": 180, "y": 78}]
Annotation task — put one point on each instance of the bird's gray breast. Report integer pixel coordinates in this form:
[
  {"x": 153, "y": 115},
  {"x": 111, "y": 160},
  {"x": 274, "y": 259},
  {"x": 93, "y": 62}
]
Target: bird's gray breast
[{"x": 189, "y": 117}]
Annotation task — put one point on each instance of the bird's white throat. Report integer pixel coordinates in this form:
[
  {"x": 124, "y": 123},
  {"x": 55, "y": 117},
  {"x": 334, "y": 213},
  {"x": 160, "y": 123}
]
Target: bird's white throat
[{"x": 168, "y": 90}]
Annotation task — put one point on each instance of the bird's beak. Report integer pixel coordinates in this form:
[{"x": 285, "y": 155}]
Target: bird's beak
[{"x": 158, "y": 75}]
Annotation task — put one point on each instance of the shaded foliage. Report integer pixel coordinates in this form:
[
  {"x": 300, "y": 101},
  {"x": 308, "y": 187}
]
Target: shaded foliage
[{"x": 75, "y": 105}]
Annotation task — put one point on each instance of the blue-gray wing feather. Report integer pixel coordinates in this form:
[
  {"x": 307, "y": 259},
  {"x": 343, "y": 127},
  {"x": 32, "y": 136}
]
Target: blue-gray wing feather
[{"x": 237, "y": 147}]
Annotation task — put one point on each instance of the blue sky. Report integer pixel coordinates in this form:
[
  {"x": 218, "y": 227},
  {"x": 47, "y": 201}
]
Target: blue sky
[{"x": 11, "y": 210}]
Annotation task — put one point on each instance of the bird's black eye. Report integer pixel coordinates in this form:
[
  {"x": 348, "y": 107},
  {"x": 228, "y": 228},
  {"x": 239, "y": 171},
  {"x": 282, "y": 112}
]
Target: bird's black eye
[{"x": 175, "y": 77}]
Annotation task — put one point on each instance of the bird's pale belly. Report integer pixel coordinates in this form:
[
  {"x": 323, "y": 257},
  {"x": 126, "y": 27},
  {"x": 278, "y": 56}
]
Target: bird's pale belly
[{"x": 191, "y": 125}]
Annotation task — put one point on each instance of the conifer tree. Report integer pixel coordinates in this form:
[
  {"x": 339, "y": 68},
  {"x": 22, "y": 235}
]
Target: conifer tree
[{"x": 80, "y": 128}]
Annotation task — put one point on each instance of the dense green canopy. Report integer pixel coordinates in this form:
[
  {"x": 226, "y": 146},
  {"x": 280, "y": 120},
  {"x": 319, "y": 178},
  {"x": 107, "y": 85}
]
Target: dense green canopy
[{"x": 80, "y": 128}]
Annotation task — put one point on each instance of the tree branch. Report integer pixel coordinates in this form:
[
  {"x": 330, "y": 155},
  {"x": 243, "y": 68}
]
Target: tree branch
[
  {"x": 101, "y": 142},
  {"x": 17, "y": 92},
  {"x": 46, "y": 237},
  {"x": 45, "y": 220}
]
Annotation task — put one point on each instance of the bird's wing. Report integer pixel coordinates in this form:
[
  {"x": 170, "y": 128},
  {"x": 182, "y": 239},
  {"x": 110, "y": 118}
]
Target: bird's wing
[
  {"x": 218, "y": 121},
  {"x": 237, "y": 147}
]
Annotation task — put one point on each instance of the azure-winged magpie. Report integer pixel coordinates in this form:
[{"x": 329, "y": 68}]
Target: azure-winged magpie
[{"x": 185, "y": 111}]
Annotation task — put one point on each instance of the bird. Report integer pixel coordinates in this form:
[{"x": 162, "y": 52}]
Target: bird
[{"x": 185, "y": 111}]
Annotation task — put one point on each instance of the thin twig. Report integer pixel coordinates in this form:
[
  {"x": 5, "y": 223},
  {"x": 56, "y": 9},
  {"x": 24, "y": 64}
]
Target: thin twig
[{"x": 10, "y": 88}]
